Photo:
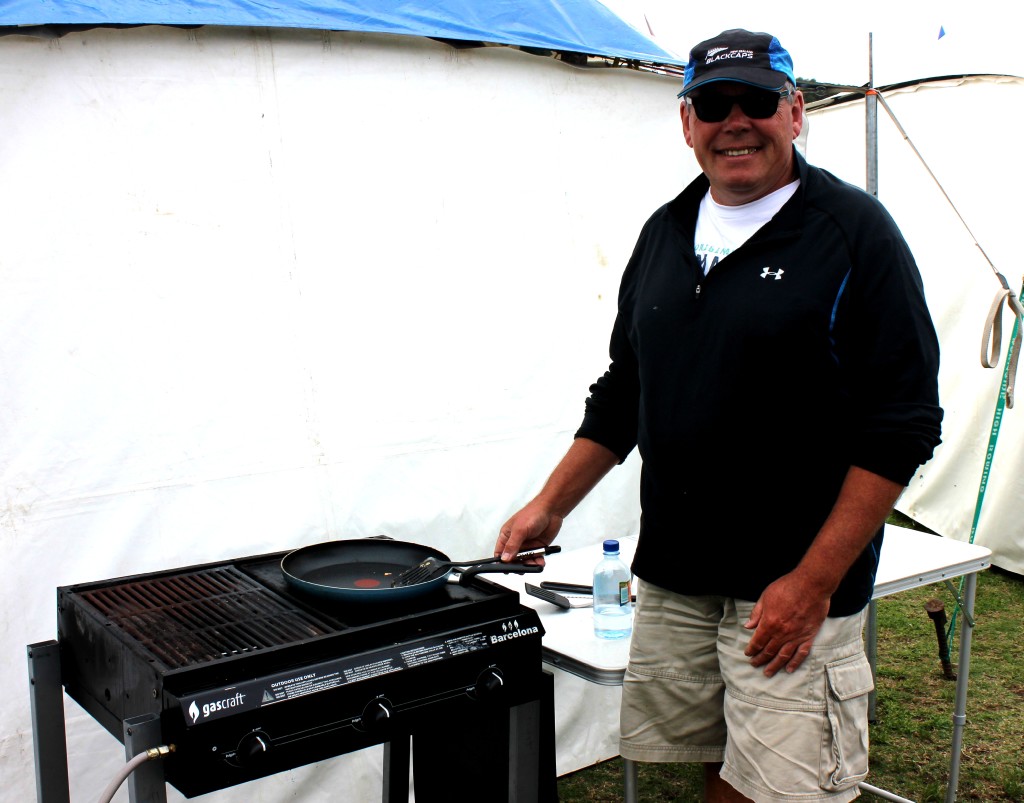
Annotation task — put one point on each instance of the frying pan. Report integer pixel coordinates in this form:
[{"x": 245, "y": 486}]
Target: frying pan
[{"x": 362, "y": 569}]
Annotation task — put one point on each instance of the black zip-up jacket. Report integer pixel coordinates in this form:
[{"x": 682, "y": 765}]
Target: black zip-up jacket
[{"x": 751, "y": 391}]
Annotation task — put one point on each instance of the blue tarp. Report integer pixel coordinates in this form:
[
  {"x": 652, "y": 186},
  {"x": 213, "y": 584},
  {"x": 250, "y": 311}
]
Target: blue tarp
[{"x": 583, "y": 26}]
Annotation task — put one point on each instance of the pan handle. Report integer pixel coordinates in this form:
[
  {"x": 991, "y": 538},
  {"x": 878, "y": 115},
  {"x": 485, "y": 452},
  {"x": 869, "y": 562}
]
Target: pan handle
[
  {"x": 498, "y": 566},
  {"x": 512, "y": 567}
]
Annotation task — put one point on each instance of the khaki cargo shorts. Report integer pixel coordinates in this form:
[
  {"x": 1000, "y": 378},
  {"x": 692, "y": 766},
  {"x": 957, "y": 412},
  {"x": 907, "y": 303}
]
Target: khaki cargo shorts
[{"x": 691, "y": 695}]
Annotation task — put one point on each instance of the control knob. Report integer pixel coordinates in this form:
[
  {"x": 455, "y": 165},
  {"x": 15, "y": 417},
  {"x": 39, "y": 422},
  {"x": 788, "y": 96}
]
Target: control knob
[
  {"x": 489, "y": 685},
  {"x": 376, "y": 716},
  {"x": 252, "y": 747}
]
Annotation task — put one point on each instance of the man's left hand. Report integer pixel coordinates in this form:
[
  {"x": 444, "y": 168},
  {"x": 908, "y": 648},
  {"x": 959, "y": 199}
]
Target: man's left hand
[{"x": 785, "y": 621}]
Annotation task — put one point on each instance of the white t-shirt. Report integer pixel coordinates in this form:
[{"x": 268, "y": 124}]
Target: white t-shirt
[{"x": 723, "y": 229}]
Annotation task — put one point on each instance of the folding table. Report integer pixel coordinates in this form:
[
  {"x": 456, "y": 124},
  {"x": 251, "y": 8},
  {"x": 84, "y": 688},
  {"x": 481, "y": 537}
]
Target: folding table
[{"x": 909, "y": 559}]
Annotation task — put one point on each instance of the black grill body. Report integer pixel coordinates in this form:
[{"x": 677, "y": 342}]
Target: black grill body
[{"x": 249, "y": 678}]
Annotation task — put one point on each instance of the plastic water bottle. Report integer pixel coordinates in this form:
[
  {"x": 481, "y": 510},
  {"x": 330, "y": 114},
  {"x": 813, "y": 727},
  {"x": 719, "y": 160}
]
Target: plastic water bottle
[{"x": 613, "y": 605}]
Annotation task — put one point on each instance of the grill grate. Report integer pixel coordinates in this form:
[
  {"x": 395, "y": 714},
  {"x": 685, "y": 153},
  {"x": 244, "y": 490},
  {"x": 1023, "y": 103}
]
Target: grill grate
[{"x": 202, "y": 616}]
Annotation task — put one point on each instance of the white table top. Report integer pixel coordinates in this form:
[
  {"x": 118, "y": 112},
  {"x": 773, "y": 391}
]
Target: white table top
[{"x": 909, "y": 559}]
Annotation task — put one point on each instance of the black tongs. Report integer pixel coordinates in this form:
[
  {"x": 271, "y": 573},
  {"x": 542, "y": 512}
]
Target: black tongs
[{"x": 580, "y": 596}]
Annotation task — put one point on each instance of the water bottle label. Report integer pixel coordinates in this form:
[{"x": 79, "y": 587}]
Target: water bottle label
[{"x": 624, "y": 595}]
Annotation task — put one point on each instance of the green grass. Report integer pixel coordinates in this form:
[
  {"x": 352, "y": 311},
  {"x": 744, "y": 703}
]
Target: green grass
[{"x": 911, "y": 738}]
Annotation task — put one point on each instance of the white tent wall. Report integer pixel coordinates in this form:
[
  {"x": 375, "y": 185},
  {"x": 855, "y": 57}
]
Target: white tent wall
[
  {"x": 264, "y": 289},
  {"x": 944, "y": 122}
]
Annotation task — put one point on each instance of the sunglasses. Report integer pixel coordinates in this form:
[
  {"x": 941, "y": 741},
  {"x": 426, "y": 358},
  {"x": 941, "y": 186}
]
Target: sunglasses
[{"x": 757, "y": 104}]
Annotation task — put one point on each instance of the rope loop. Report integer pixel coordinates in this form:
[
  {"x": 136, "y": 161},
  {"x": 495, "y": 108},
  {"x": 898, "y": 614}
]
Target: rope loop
[{"x": 992, "y": 335}]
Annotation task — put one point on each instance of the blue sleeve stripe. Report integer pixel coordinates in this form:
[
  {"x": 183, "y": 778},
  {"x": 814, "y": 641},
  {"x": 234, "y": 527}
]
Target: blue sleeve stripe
[
  {"x": 835, "y": 306},
  {"x": 832, "y": 317}
]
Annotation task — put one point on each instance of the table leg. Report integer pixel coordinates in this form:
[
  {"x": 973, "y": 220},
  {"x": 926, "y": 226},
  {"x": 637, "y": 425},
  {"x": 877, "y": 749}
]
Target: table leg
[
  {"x": 871, "y": 647},
  {"x": 629, "y": 778},
  {"x": 962, "y": 674},
  {"x": 883, "y": 794}
]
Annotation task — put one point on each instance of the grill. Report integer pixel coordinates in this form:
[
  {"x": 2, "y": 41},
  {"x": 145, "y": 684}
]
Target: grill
[
  {"x": 200, "y": 616},
  {"x": 247, "y": 677}
]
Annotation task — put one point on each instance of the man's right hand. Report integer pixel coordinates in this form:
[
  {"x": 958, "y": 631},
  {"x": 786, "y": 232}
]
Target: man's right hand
[
  {"x": 537, "y": 524},
  {"x": 533, "y": 527}
]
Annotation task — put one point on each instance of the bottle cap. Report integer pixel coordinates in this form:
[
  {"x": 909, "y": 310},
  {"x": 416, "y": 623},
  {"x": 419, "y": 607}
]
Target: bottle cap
[{"x": 611, "y": 545}]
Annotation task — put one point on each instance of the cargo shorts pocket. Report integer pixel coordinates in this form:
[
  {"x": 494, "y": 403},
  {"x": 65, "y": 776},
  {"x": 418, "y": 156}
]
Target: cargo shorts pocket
[{"x": 844, "y": 748}]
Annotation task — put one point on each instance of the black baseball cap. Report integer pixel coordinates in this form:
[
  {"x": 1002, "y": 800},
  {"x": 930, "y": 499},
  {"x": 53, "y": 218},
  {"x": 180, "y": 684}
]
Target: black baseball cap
[{"x": 757, "y": 59}]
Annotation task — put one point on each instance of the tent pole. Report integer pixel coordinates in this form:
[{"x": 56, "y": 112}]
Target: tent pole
[
  {"x": 871, "y": 108},
  {"x": 871, "y": 185}
]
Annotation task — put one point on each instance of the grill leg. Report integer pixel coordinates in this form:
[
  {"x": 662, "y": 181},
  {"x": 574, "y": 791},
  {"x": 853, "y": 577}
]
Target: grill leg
[
  {"x": 49, "y": 741},
  {"x": 494, "y": 754},
  {"x": 471, "y": 752},
  {"x": 524, "y": 752},
  {"x": 532, "y": 775},
  {"x": 146, "y": 784},
  {"x": 396, "y": 769}
]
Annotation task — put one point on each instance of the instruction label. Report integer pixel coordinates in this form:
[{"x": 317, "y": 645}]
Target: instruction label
[{"x": 327, "y": 675}]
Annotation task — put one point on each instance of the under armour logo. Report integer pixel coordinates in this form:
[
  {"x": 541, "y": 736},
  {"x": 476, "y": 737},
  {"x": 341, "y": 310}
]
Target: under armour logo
[{"x": 769, "y": 272}]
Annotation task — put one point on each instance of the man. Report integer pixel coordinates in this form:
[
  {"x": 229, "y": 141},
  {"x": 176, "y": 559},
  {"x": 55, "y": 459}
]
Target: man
[{"x": 775, "y": 363}]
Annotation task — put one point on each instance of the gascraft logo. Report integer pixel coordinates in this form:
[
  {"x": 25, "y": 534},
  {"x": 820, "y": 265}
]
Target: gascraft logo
[
  {"x": 216, "y": 705},
  {"x": 512, "y": 630}
]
